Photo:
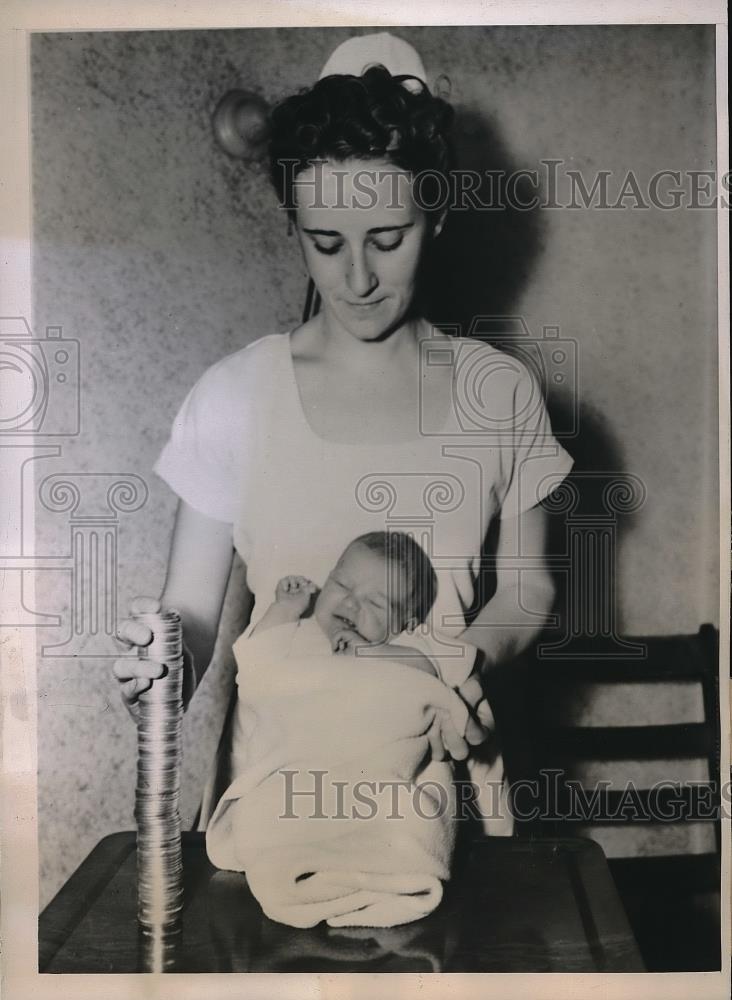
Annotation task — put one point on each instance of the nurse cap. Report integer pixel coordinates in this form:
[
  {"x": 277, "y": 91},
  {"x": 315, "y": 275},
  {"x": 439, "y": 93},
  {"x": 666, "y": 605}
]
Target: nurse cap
[{"x": 357, "y": 54}]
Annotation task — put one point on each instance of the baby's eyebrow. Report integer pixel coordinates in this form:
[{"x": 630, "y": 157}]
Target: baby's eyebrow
[{"x": 383, "y": 596}]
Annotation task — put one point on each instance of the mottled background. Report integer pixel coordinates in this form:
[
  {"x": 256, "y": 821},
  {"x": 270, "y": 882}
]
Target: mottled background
[{"x": 160, "y": 255}]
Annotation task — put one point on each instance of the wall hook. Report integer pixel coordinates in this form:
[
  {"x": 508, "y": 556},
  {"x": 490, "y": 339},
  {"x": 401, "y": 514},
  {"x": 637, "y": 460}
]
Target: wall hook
[{"x": 240, "y": 124}]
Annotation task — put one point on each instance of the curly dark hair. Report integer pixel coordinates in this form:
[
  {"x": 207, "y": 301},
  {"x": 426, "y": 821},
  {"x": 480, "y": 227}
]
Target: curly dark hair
[
  {"x": 400, "y": 549},
  {"x": 369, "y": 117}
]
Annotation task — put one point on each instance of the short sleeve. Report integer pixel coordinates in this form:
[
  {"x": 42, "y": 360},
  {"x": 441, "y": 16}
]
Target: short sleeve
[
  {"x": 533, "y": 462},
  {"x": 205, "y": 453}
]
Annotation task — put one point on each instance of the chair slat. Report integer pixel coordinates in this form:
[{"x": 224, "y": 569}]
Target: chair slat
[
  {"x": 661, "y": 805},
  {"x": 623, "y": 742},
  {"x": 668, "y": 874}
]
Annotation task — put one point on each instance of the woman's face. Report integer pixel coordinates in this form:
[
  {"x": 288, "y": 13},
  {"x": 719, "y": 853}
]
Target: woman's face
[{"x": 362, "y": 236}]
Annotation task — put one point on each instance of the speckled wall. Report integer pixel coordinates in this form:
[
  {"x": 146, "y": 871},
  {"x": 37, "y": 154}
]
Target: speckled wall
[{"x": 160, "y": 255}]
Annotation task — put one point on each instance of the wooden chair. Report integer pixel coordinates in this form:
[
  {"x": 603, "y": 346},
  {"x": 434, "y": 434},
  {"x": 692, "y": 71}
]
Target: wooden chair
[{"x": 614, "y": 729}]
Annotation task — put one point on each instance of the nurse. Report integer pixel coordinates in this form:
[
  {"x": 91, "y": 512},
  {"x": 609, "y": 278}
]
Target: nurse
[{"x": 364, "y": 417}]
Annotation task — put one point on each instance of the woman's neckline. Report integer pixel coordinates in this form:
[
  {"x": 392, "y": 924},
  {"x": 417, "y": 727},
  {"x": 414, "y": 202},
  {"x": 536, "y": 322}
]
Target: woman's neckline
[{"x": 361, "y": 445}]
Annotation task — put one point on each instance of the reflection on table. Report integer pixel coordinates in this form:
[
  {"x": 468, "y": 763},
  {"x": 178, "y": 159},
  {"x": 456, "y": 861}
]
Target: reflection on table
[{"x": 513, "y": 905}]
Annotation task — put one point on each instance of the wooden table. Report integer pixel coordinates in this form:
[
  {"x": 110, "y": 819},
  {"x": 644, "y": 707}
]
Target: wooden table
[{"x": 513, "y": 905}]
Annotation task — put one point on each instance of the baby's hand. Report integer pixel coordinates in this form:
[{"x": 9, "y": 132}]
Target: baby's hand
[
  {"x": 294, "y": 592},
  {"x": 345, "y": 642}
]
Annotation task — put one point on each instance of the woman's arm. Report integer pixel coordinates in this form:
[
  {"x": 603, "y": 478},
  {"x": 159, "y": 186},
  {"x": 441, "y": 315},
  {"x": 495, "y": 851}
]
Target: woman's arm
[
  {"x": 199, "y": 565},
  {"x": 409, "y": 656},
  {"x": 351, "y": 643},
  {"x": 506, "y": 625},
  {"x": 517, "y": 612}
]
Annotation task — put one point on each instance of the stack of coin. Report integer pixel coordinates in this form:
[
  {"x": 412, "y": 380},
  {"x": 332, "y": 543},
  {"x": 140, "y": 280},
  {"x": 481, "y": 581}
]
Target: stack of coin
[{"x": 159, "y": 859}]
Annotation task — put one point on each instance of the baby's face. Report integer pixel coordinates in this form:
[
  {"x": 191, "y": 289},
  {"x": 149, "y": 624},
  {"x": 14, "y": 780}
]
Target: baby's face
[{"x": 365, "y": 594}]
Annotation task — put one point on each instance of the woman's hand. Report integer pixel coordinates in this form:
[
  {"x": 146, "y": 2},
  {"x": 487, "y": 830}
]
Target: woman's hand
[
  {"x": 136, "y": 674},
  {"x": 445, "y": 740}
]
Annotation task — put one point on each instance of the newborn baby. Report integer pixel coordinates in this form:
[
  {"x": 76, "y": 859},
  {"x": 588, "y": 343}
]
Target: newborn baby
[
  {"x": 371, "y": 605},
  {"x": 318, "y": 736},
  {"x": 383, "y": 585}
]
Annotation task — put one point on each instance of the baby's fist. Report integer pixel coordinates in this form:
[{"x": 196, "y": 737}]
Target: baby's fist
[
  {"x": 295, "y": 593},
  {"x": 345, "y": 642}
]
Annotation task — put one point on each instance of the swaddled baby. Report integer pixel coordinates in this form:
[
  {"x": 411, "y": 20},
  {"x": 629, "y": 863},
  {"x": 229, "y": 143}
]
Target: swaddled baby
[
  {"x": 382, "y": 586},
  {"x": 336, "y": 811},
  {"x": 370, "y": 607}
]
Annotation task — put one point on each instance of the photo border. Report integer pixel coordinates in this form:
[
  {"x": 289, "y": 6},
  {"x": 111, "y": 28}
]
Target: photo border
[{"x": 19, "y": 779}]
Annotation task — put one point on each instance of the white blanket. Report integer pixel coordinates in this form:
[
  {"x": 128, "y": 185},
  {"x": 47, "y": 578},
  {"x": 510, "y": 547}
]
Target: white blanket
[{"x": 370, "y": 841}]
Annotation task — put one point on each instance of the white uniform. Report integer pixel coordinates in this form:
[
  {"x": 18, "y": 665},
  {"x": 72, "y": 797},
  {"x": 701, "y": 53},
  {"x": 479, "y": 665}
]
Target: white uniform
[{"x": 241, "y": 451}]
